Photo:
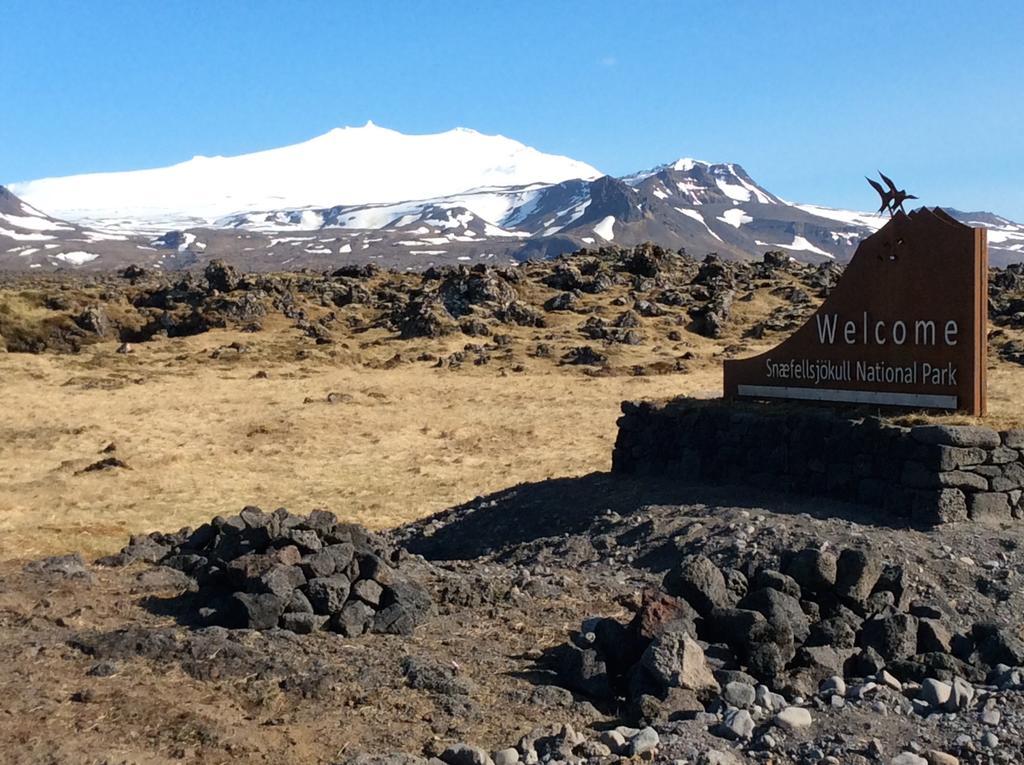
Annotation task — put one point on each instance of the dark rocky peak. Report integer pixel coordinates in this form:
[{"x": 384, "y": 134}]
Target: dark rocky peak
[
  {"x": 611, "y": 196},
  {"x": 10, "y": 204}
]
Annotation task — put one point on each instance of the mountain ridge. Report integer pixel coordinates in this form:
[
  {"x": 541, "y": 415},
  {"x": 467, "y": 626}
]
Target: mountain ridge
[{"x": 505, "y": 201}]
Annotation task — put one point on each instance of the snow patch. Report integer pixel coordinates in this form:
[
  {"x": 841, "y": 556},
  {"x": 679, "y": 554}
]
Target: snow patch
[
  {"x": 733, "y": 190},
  {"x": 606, "y": 228},
  {"x": 77, "y": 257},
  {"x": 735, "y": 217},
  {"x": 872, "y": 221},
  {"x": 99, "y": 236},
  {"x": 289, "y": 240},
  {"x": 799, "y": 243},
  {"x": 25, "y": 237},
  {"x": 33, "y": 223}
]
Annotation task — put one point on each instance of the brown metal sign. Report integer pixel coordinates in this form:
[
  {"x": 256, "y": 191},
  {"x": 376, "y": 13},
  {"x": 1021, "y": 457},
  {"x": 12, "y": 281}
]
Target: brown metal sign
[{"x": 905, "y": 326}]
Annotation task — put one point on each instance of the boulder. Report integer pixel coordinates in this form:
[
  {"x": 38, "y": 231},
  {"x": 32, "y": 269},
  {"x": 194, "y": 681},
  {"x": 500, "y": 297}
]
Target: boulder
[
  {"x": 793, "y": 719},
  {"x": 673, "y": 704},
  {"x": 509, "y": 756},
  {"x": 779, "y": 608},
  {"x": 404, "y": 606},
  {"x": 732, "y": 625},
  {"x": 740, "y": 695},
  {"x": 333, "y": 559},
  {"x": 298, "y": 604},
  {"x": 646, "y": 740},
  {"x": 584, "y": 670},
  {"x": 368, "y": 591},
  {"x": 675, "y": 659},
  {"x": 327, "y": 594},
  {"x": 700, "y": 582},
  {"x": 857, "y": 573},
  {"x": 776, "y": 580},
  {"x": 935, "y": 693},
  {"x": 908, "y": 758},
  {"x": 257, "y": 611},
  {"x": 998, "y": 645},
  {"x": 659, "y": 612},
  {"x": 280, "y": 580},
  {"x": 220, "y": 276},
  {"x": 824, "y": 661},
  {"x": 836, "y": 632},
  {"x": 894, "y": 637},
  {"x": 353, "y": 620},
  {"x": 737, "y": 724},
  {"x": 814, "y": 570},
  {"x": 940, "y": 506},
  {"x": 766, "y": 661},
  {"x": 933, "y": 637},
  {"x": 302, "y": 623}
]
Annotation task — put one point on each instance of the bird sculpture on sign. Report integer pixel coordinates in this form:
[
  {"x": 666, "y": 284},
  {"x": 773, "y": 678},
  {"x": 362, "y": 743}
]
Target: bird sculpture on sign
[{"x": 892, "y": 197}]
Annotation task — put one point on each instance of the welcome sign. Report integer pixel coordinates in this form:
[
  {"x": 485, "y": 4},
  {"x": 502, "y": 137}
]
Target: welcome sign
[{"x": 905, "y": 326}]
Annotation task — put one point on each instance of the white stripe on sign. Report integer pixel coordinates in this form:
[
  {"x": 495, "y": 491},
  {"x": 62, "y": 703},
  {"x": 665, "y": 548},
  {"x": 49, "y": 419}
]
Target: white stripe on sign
[{"x": 924, "y": 400}]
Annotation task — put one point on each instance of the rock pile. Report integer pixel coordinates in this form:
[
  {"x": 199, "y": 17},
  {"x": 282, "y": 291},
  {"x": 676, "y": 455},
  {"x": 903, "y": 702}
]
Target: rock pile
[
  {"x": 262, "y": 570},
  {"x": 740, "y": 641}
]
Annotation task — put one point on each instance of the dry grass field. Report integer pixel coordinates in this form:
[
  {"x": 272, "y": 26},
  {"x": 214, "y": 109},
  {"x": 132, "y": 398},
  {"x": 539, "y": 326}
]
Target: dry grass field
[
  {"x": 366, "y": 426},
  {"x": 204, "y": 438}
]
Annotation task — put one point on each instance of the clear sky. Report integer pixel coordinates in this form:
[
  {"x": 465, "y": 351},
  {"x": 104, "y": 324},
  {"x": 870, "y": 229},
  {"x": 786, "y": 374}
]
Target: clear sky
[{"x": 807, "y": 96}]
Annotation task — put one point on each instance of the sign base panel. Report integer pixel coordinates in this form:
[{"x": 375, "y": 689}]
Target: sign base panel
[{"x": 883, "y": 398}]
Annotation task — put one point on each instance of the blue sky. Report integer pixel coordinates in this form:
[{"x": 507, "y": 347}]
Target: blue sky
[{"x": 807, "y": 96}]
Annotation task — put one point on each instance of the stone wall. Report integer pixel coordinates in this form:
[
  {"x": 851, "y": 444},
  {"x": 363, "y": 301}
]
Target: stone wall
[{"x": 927, "y": 473}]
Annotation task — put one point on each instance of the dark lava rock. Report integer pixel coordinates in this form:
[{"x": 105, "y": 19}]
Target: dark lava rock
[
  {"x": 659, "y": 612},
  {"x": 894, "y": 637},
  {"x": 583, "y": 670},
  {"x": 60, "y": 567},
  {"x": 427, "y": 675},
  {"x": 220, "y": 276},
  {"x": 768, "y": 578},
  {"x": 353, "y": 620},
  {"x": 857, "y": 573},
  {"x": 779, "y": 608},
  {"x": 700, "y": 582},
  {"x": 404, "y": 606},
  {"x": 257, "y": 611},
  {"x": 302, "y": 623},
  {"x": 327, "y": 594},
  {"x": 585, "y": 355},
  {"x": 813, "y": 570}
]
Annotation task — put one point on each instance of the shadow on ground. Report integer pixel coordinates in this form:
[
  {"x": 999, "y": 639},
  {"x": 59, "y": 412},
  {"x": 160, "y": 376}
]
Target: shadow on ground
[{"x": 560, "y": 506}]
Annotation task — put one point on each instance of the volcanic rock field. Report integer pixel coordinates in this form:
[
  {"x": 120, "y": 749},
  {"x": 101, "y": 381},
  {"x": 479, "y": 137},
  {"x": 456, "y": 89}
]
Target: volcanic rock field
[{"x": 604, "y": 617}]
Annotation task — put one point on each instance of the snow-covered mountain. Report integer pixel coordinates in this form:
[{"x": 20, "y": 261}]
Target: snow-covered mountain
[
  {"x": 410, "y": 201},
  {"x": 368, "y": 164}
]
